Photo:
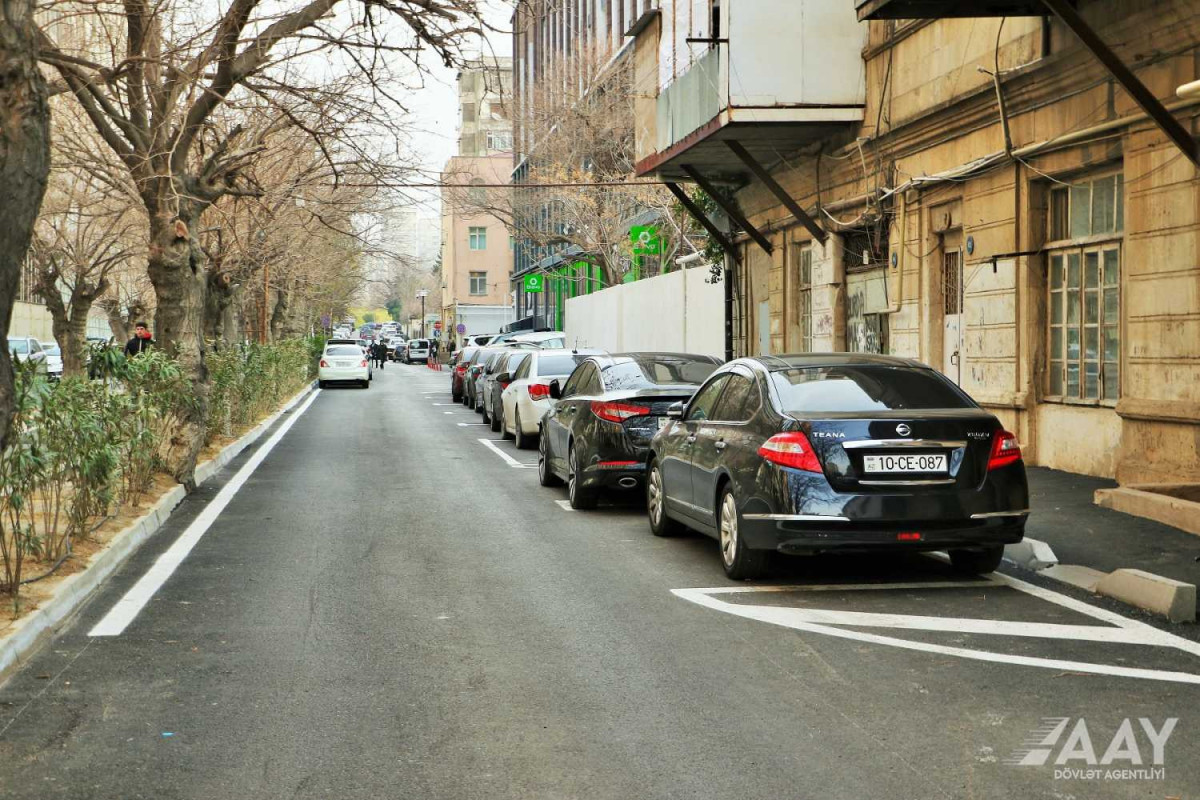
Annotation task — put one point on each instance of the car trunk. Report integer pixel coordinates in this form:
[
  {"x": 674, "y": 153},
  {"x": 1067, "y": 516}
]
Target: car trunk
[
  {"x": 641, "y": 429},
  {"x": 894, "y": 451}
]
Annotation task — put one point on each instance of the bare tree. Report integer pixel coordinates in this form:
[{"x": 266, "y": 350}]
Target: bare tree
[
  {"x": 153, "y": 98},
  {"x": 24, "y": 165}
]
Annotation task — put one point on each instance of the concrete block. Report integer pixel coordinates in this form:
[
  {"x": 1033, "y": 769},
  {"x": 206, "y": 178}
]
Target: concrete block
[
  {"x": 1173, "y": 599},
  {"x": 1083, "y": 577},
  {"x": 1031, "y": 554},
  {"x": 1177, "y": 512}
]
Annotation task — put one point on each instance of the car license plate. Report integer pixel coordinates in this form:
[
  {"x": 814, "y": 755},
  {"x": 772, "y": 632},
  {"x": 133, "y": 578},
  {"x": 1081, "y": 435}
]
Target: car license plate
[
  {"x": 905, "y": 463},
  {"x": 344, "y": 363}
]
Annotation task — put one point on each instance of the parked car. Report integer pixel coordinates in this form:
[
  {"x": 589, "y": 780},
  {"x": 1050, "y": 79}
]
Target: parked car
[
  {"x": 496, "y": 378},
  {"x": 54, "y": 361},
  {"x": 547, "y": 339},
  {"x": 27, "y": 348},
  {"x": 480, "y": 370},
  {"x": 416, "y": 351},
  {"x": 343, "y": 362},
  {"x": 598, "y": 432},
  {"x": 473, "y": 367},
  {"x": 459, "y": 362},
  {"x": 838, "y": 452},
  {"x": 363, "y": 346},
  {"x": 527, "y": 398}
]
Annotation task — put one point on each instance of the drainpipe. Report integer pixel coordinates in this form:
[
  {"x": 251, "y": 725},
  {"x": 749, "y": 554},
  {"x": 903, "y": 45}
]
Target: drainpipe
[{"x": 894, "y": 306}]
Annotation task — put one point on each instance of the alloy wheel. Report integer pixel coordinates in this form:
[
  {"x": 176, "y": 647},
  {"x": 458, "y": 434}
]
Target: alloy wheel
[
  {"x": 654, "y": 496},
  {"x": 729, "y": 529}
]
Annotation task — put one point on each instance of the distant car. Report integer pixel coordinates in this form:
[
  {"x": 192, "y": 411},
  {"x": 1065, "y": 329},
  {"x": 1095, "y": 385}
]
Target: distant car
[
  {"x": 829, "y": 452},
  {"x": 547, "y": 339},
  {"x": 28, "y": 349},
  {"x": 496, "y": 378},
  {"x": 343, "y": 363},
  {"x": 458, "y": 370},
  {"x": 598, "y": 433},
  {"x": 527, "y": 398},
  {"x": 478, "y": 371},
  {"x": 54, "y": 361},
  {"x": 417, "y": 351}
]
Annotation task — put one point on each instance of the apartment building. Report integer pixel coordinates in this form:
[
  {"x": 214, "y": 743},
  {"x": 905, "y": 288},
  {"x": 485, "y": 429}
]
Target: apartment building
[
  {"x": 963, "y": 183},
  {"x": 476, "y": 247}
]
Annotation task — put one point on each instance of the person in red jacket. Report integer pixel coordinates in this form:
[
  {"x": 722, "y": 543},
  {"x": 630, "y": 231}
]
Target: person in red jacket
[{"x": 141, "y": 340}]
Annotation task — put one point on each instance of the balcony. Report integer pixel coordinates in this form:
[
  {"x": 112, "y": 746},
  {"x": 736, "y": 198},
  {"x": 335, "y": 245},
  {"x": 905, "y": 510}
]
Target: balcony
[{"x": 771, "y": 76}]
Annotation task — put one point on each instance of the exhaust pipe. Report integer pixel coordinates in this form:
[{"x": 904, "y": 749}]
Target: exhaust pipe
[{"x": 627, "y": 483}]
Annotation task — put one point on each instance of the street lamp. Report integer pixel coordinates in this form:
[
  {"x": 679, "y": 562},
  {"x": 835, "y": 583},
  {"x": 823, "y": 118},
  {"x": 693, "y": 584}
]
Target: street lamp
[{"x": 423, "y": 293}]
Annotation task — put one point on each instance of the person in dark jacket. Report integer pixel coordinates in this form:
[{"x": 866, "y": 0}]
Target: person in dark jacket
[
  {"x": 141, "y": 340},
  {"x": 379, "y": 353}
]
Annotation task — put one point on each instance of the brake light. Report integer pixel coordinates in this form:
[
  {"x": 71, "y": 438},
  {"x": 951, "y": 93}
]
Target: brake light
[
  {"x": 324, "y": 363},
  {"x": 908, "y": 536},
  {"x": 1005, "y": 450},
  {"x": 461, "y": 368},
  {"x": 503, "y": 384},
  {"x": 362, "y": 363},
  {"x": 617, "y": 412},
  {"x": 790, "y": 450},
  {"x": 539, "y": 391}
]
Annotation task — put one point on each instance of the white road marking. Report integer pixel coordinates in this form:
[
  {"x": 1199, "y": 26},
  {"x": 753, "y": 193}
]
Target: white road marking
[
  {"x": 565, "y": 505},
  {"x": 512, "y": 462},
  {"x": 1121, "y": 630},
  {"x": 128, "y": 607},
  {"x": 469, "y": 424},
  {"x": 446, "y": 404}
]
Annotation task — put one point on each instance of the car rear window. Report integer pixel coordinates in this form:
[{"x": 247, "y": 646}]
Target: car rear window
[
  {"x": 419, "y": 342},
  {"x": 343, "y": 350},
  {"x": 644, "y": 371},
  {"x": 857, "y": 388},
  {"x": 18, "y": 346},
  {"x": 558, "y": 365}
]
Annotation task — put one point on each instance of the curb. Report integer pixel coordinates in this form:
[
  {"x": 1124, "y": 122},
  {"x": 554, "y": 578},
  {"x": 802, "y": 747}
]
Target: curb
[{"x": 27, "y": 634}]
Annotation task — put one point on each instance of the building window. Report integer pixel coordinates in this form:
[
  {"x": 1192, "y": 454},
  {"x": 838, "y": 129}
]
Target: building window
[
  {"x": 478, "y": 283},
  {"x": 477, "y": 238},
  {"x": 801, "y": 257},
  {"x": 499, "y": 140},
  {"x": 1084, "y": 289}
]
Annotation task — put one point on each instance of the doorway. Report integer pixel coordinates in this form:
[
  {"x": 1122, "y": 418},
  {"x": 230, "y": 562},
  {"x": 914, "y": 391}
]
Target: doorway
[{"x": 952, "y": 308}]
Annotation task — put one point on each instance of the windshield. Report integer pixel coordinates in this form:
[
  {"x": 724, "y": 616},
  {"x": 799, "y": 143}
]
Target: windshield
[
  {"x": 864, "y": 389},
  {"x": 18, "y": 346},
  {"x": 559, "y": 365},
  {"x": 639, "y": 372},
  {"x": 343, "y": 350}
]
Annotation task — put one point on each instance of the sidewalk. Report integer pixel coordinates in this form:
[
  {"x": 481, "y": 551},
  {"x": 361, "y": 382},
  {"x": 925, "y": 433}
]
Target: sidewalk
[{"x": 1081, "y": 532}]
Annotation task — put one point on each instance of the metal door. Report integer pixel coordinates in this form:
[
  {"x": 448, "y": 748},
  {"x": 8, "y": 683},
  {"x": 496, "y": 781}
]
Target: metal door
[{"x": 952, "y": 321}]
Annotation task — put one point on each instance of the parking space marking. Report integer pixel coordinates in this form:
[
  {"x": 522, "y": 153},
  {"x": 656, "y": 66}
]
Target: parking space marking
[
  {"x": 512, "y": 462},
  {"x": 840, "y": 624},
  {"x": 447, "y": 404},
  {"x": 565, "y": 505},
  {"x": 469, "y": 424}
]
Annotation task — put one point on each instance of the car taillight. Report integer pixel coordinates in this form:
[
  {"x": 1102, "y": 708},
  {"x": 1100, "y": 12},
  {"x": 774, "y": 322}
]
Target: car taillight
[
  {"x": 363, "y": 363},
  {"x": 1005, "y": 450},
  {"x": 790, "y": 450},
  {"x": 324, "y": 363},
  {"x": 539, "y": 391},
  {"x": 617, "y": 412},
  {"x": 460, "y": 369},
  {"x": 503, "y": 385}
]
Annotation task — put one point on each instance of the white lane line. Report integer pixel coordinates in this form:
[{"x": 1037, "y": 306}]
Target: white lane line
[
  {"x": 469, "y": 424},
  {"x": 512, "y": 462},
  {"x": 446, "y": 404},
  {"x": 128, "y": 607}
]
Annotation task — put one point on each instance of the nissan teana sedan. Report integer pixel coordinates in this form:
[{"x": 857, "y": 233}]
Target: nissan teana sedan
[
  {"x": 597, "y": 433},
  {"x": 837, "y": 453}
]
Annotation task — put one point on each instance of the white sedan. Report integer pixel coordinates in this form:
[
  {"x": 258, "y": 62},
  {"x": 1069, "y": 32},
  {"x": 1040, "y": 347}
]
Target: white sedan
[
  {"x": 343, "y": 363},
  {"x": 527, "y": 398}
]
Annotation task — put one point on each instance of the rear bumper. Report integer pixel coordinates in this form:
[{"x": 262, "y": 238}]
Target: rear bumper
[
  {"x": 624, "y": 476},
  {"x": 805, "y": 534},
  {"x": 333, "y": 375}
]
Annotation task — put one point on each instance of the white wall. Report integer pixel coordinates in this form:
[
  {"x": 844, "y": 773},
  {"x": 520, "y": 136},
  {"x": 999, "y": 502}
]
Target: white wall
[{"x": 676, "y": 312}]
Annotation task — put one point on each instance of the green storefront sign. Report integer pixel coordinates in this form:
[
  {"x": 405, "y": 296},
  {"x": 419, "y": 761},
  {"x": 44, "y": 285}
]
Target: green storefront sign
[
  {"x": 535, "y": 283},
  {"x": 645, "y": 240}
]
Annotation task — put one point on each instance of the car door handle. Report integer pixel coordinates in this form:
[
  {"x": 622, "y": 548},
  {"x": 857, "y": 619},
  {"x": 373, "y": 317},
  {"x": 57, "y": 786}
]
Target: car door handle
[{"x": 720, "y": 445}]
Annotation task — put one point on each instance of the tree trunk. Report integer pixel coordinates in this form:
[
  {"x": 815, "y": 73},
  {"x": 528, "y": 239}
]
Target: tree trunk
[
  {"x": 176, "y": 269},
  {"x": 24, "y": 167},
  {"x": 279, "y": 314},
  {"x": 220, "y": 295}
]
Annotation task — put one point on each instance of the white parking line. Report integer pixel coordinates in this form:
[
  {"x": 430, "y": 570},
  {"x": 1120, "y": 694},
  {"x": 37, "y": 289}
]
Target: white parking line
[
  {"x": 565, "y": 505},
  {"x": 512, "y": 462},
  {"x": 469, "y": 424},
  {"x": 834, "y": 622},
  {"x": 446, "y": 404},
  {"x": 128, "y": 607}
]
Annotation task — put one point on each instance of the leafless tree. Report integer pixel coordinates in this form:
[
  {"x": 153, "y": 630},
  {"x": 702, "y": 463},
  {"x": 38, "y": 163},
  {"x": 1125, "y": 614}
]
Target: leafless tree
[
  {"x": 24, "y": 165},
  {"x": 166, "y": 74}
]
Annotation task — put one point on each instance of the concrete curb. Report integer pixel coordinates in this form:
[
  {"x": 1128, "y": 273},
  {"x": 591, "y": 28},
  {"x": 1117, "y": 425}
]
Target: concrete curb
[
  {"x": 1173, "y": 599},
  {"x": 1150, "y": 501},
  {"x": 27, "y": 633}
]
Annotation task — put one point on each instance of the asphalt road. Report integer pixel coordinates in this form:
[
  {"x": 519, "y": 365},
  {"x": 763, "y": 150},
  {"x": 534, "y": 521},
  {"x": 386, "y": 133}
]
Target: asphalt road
[{"x": 389, "y": 608}]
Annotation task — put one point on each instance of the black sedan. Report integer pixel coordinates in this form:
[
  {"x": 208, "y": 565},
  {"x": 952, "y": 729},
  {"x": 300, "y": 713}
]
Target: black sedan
[
  {"x": 846, "y": 452},
  {"x": 597, "y": 434}
]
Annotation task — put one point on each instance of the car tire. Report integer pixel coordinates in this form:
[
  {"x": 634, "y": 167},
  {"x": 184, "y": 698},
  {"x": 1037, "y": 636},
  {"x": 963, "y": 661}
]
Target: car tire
[
  {"x": 656, "y": 504},
  {"x": 581, "y": 499},
  {"x": 546, "y": 476},
  {"x": 366, "y": 384},
  {"x": 522, "y": 439},
  {"x": 504, "y": 432},
  {"x": 977, "y": 562},
  {"x": 321, "y": 384},
  {"x": 740, "y": 562},
  {"x": 495, "y": 420},
  {"x": 487, "y": 419}
]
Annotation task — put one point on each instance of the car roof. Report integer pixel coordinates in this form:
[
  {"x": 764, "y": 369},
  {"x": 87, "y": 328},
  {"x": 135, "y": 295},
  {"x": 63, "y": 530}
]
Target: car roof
[
  {"x": 567, "y": 351},
  {"x": 617, "y": 358},
  {"x": 342, "y": 341},
  {"x": 800, "y": 360}
]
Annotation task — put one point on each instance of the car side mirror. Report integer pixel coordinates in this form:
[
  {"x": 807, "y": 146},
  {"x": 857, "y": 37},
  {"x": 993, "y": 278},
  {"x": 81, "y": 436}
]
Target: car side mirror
[
  {"x": 504, "y": 377},
  {"x": 675, "y": 410},
  {"x": 555, "y": 390}
]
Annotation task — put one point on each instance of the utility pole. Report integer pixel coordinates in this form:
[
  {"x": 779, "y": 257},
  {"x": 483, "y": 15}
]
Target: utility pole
[{"x": 422, "y": 294}]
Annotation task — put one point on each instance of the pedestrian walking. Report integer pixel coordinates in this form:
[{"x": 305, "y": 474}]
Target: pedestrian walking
[
  {"x": 141, "y": 340},
  {"x": 379, "y": 353}
]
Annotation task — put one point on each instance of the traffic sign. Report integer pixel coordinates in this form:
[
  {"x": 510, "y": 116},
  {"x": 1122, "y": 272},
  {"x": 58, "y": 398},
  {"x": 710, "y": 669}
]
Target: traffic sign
[
  {"x": 535, "y": 283},
  {"x": 461, "y": 328}
]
